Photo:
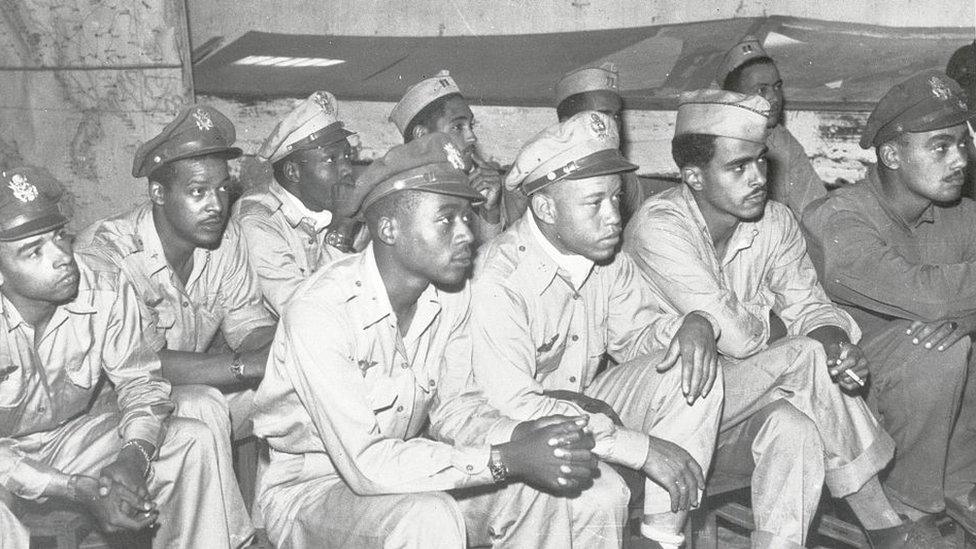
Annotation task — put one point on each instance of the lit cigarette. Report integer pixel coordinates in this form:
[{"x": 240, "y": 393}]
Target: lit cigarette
[
  {"x": 850, "y": 373},
  {"x": 857, "y": 379}
]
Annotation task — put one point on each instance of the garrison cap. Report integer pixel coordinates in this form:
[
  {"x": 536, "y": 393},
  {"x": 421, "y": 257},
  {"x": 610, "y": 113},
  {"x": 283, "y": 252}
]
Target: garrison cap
[
  {"x": 749, "y": 48},
  {"x": 420, "y": 95},
  {"x": 29, "y": 206},
  {"x": 928, "y": 100},
  {"x": 585, "y": 145},
  {"x": 604, "y": 77},
  {"x": 198, "y": 130},
  {"x": 962, "y": 66},
  {"x": 313, "y": 123},
  {"x": 722, "y": 113},
  {"x": 431, "y": 163}
]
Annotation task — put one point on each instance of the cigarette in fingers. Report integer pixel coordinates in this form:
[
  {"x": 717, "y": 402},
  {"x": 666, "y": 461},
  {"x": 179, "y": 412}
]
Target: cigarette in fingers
[{"x": 854, "y": 377}]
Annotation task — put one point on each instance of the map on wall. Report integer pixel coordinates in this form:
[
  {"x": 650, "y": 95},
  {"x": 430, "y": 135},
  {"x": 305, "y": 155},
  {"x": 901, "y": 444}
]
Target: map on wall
[{"x": 83, "y": 83}]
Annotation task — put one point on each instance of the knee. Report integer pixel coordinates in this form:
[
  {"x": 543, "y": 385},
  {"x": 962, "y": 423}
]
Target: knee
[
  {"x": 193, "y": 434},
  {"x": 202, "y": 402},
  {"x": 432, "y": 514},
  {"x": 609, "y": 495},
  {"x": 789, "y": 431}
]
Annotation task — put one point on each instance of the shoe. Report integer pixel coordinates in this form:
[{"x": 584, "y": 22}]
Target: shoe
[
  {"x": 920, "y": 534},
  {"x": 964, "y": 513}
]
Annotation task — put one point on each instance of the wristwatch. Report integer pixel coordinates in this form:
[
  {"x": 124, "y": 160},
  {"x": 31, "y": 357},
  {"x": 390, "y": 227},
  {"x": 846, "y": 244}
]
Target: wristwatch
[
  {"x": 499, "y": 472},
  {"x": 237, "y": 367}
]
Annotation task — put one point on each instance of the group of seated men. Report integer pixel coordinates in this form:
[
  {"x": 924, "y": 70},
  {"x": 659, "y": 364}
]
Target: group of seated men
[{"x": 442, "y": 353}]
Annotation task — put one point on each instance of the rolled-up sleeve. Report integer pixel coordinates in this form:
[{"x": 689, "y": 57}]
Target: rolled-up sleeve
[
  {"x": 863, "y": 269},
  {"x": 661, "y": 243},
  {"x": 334, "y": 393},
  {"x": 22, "y": 476},
  {"x": 131, "y": 364},
  {"x": 240, "y": 291},
  {"x": 504, "y": 366}
]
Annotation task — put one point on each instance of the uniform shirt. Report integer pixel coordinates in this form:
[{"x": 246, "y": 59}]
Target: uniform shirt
[
  {"x": 765, "y": 268},
  {"x": 221, "y": 293},
  {"x": 347, "y": 392},
  {"x": 882, "y": 267},
  {"x": 285, "y": 241},
  {"x": 534, "y": 329},
  {"x": 791, "y": 177},
  {"x": 44, "y": 387}
]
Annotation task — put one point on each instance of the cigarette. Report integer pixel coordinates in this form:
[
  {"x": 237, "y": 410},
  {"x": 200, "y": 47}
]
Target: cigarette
[{"x": 856, "y": 378}]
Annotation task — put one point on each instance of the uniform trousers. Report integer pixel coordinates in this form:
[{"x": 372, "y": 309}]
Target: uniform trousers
[
  {"x": 918, "y": 395},
  {"x": 196, "y": 508},
  {"x": 304, "y": 510},
  {"x": 818, "y": 433}
]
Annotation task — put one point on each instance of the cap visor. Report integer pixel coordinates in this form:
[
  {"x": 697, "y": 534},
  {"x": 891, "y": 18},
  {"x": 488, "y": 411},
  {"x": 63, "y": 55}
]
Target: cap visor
[
  {"x": 461, "y": 190},
  {"x": 325, "y": 139},
  {"x": 35, "y": 227},
  {"x": 950, "y": 119},
  {"x": 608, "y": 166}
]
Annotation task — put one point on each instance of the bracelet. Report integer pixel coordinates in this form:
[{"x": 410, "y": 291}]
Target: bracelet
[
  {"x": 237, "y": 367},
  {"x": 145, "y": 455}
]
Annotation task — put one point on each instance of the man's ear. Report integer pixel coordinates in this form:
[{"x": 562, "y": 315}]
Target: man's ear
[
  {"x": 544, "y": 207},
  {"x": 291, "y": 171},
  {"x": 692, "y": 176},
  {"x": 157, "y": 193},
  {"x": 889, "y": 155},
  {"x": 387, "y": 230},
  {"x": 419, "y": 131}
]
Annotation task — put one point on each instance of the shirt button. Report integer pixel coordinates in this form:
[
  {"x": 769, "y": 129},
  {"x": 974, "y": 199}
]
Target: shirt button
[
  {"x": 521, "y": 248},
  {"x": 185, "y": 304},
  {"x": 431, "y": 383},
  {"x": 404, "y": 365},
  {"x": 574, "y": 337},
  {"x": 572, "y": 379},
  {"x": 358, "y": 283},
  {"x": 576, "y": 296},
  {"x": 42, "y": 409},
  {"x": 400, "y": 408},
  {"x": 311, "y": 241},
  {"x": 470, "y": 467}
]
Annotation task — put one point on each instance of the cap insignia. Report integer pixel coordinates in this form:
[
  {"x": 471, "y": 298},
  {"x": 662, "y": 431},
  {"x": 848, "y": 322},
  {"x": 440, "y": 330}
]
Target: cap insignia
[
  {"x": 939, "y": 88},
  {"x": 747, "y": 48},
  {"x": 454, "y": 156},
  {"x": 23, "y": 190},
  {"x": 204, "y": 123},
  {"x": 597, "y": 126},
  {"x": 323, "y": 102}
]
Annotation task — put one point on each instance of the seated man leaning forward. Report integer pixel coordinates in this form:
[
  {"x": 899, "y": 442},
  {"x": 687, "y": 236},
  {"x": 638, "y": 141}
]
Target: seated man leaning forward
[
  {"x": 899, "y": 253},
  {"x": 66, "y": 325},
  {"x": 551, "y": 297},
  {"x": 290, "y": 225},
  {"x": 717, "y": 244},
  {"x": 190, "y": 270},
  {"x": 373, "y": 353}
]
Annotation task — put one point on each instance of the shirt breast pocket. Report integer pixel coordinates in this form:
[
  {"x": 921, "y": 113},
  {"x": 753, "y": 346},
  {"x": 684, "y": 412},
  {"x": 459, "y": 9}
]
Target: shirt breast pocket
[
  {"x": 77, "y": 360},
  {"x": 383, "y": 395},
  {"x": 13, "y": 385},
  {"x": 548, "y": 355}
]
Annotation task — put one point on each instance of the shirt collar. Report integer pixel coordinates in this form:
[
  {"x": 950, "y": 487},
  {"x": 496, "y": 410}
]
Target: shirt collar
[
  {"x": 377, "y": 301},
  {"x": 576, "y": 267},
  {"x": 874, "y": 184},
  {"x": 295, "y": 211},
  {"x": 742, "y": 238}
]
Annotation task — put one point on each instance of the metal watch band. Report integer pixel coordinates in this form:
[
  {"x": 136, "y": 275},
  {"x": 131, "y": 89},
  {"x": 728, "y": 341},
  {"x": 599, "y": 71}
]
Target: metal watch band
[{"x": 499, "y": 472}]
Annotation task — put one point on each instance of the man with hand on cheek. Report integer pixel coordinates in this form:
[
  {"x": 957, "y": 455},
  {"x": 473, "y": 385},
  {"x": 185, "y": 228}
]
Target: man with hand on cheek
[
  {"x": 377, "y": 436},
  {"x": 551, "y": 297},
  {"x": 436, "y": 105}
]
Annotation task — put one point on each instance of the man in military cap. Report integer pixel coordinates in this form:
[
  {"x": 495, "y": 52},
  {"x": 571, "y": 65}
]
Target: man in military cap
[
  {"x": 716, "y": 244},
  {"x": 748, "y": 69},
  {"x": 598, "y": 89},
  {"x": 345, "y": 414},
  {"x": 897, "y": 252},
  {"x": 190, "y": 269},
  {"x": 436, "y": 105},
  {"x": 67, "y": 324},
  {"x": 551, "y": 297},
  {"x": 289, "y": 224}
]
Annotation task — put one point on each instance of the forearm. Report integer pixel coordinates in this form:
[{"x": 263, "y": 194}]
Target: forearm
[
  {"x": 190, "y": 368},
  {"x": 828, "y": 335},
  {"x": 257, "y": 339}
]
